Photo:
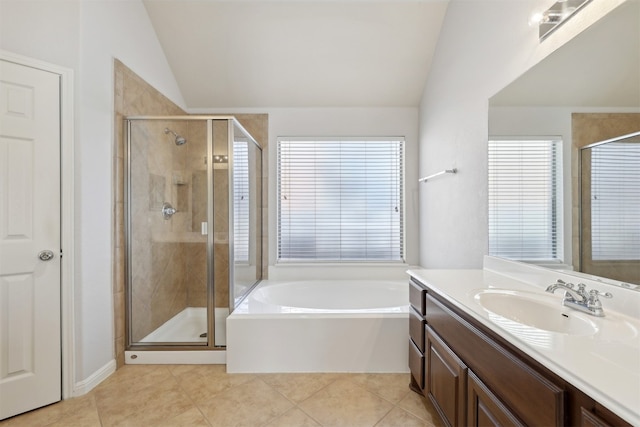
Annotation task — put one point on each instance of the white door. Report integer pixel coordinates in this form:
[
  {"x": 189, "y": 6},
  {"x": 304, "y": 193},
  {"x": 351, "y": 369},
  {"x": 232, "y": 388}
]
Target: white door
[{"x": 30, "y": 373}]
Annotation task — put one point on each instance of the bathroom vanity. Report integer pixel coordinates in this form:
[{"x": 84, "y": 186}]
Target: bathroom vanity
[{"x": 492, "y": 347}]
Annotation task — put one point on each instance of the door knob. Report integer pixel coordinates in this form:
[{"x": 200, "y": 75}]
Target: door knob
[{"x": 45, "y": 255}]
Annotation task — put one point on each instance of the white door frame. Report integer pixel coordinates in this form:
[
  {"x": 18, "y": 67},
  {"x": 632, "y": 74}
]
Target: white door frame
[{"x": 67, "y": 212}]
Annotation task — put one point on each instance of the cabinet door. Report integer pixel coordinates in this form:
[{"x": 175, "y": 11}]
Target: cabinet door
[
  {"x": 446, "y": 380},
  {"x": 484, "y": 408}
]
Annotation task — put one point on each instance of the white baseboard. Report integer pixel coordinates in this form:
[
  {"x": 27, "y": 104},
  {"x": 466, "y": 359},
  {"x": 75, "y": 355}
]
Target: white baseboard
[{"x": 86, "y": 385}]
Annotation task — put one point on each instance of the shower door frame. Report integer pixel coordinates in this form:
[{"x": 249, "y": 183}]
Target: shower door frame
[{"x": 232, "y": 123}]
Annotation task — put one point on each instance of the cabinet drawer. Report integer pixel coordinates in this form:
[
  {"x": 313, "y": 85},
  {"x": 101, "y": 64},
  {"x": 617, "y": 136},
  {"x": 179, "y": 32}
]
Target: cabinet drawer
[
  {"x": 416, "y": 297},
  {"x": 416, "y": 328},
  {"x": 531, "y": 397},
  {"x": 416, "y": 364}
]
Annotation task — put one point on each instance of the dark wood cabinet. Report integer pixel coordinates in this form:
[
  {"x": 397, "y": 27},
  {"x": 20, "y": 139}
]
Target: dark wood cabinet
[
  {"x": 416, "y": 335},
  {"x": 536, "y": 398},
  {"x": 474, "y": 377},
  {"x": 446, "y": 380}
]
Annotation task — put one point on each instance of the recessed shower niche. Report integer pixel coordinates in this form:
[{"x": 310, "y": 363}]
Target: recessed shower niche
[{"x": 192, "y": 228}]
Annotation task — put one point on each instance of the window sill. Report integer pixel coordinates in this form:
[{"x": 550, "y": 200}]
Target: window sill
[{"x": 338, "y": 271}]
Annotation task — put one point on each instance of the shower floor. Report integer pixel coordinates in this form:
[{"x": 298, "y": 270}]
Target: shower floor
[{"x": 188, "y": 325}]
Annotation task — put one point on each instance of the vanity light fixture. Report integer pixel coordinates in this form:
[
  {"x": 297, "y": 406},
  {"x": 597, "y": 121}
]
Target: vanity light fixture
[{"x": 556, "y": 15}]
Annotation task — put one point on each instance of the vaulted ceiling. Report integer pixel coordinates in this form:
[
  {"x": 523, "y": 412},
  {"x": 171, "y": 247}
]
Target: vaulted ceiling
[
  {"x": 307, "y": 53},
  {"x": 365, "y": 53}
]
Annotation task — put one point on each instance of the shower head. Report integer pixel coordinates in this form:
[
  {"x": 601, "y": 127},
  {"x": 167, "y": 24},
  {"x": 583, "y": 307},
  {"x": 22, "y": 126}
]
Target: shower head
[{"x": 179, "y": 139}]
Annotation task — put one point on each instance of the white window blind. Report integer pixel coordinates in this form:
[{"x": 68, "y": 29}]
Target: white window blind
[
  {"x": 340, "y": 200},
  {"x": 241, "y": 201},
  {"x": 525, "y": 201},
  {"x": 615, "y": 201}
]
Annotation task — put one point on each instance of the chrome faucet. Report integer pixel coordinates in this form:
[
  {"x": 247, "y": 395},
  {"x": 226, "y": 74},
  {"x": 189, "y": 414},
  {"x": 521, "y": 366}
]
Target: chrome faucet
[{"x": 580, "y": 299}]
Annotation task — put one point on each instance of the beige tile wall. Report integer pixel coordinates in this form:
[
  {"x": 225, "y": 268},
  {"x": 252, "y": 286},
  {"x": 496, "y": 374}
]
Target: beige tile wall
[
  {"x": 133, "y": 96},
  {"x": 182, "y": 281}
]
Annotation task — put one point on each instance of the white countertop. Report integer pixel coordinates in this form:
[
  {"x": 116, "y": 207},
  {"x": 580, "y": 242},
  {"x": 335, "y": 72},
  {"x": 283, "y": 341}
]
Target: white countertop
[{"x": 604, "y": 365}]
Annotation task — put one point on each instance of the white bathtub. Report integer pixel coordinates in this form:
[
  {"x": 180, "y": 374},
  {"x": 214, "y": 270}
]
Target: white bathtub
[{"x": 321, "y": 326}]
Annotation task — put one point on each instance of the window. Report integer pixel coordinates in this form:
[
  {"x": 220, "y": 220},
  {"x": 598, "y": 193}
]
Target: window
[
  {"x": 241, "y": 201},
  {"x": 615, "y": 201},
  {"x": 340, "y": 199},
  {"x": 525, "y": 199}
]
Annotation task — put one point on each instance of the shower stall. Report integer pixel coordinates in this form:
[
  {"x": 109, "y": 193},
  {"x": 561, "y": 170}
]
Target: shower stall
[{"x": 192, "y": 228}]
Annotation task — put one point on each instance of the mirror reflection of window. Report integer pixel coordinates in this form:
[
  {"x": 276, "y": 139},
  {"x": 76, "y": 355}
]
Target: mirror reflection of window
[
  {"x": 525, "y": 199},
  {"x": 241, "y": 201}
]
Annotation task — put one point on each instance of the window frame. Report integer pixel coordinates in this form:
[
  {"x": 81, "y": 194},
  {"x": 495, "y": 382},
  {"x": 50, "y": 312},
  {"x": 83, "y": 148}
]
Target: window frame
[
  {"x": 401, "y": 194},
  {"x": 557, "y": 204}
]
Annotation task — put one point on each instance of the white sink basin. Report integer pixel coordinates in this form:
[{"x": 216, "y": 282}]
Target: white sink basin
[{"x": 534, "y": 310}]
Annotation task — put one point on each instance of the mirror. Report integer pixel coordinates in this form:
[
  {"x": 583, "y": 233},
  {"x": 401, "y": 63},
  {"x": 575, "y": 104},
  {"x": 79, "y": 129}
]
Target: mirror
[
  {"x": 610, "y": 208},
  {"x": 585, "y": 92}
]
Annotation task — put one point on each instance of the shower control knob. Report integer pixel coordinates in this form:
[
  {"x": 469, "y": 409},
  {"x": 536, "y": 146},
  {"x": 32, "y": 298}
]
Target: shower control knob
[
  {"x": 167, "y": 210},
  {"x": 45, "y": 255}
]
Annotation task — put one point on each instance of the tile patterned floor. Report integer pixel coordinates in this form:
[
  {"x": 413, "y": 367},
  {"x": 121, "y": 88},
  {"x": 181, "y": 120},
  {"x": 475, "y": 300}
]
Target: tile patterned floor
[{"x": 205, "y": 395}]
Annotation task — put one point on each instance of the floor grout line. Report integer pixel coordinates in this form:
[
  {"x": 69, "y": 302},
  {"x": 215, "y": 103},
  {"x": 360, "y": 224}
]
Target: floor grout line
[{"x": 295, "y": 392}]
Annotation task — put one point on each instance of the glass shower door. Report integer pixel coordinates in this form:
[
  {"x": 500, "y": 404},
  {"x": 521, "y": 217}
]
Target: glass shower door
[
  {"x": 167, "y": 223},
  {"x": 247, "y": 214}
]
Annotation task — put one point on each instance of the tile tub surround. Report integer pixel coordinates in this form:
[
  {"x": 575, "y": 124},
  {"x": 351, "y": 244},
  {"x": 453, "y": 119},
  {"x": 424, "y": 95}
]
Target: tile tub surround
[
  {"x": 205, "y": 395},
  {"x": 607, "y": 371}
]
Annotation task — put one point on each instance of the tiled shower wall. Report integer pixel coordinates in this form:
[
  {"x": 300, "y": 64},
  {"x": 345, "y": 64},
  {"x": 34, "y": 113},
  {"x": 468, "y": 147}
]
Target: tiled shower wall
[{"x": 133, "y": 96}]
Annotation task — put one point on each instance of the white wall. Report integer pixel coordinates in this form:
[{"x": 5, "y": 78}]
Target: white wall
[
  {"x": 108, "y": 29},
  {"x": 86, "y": 36},
  {"x": 24, "y": 25},
  {"x": 483, "y": 46}
]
